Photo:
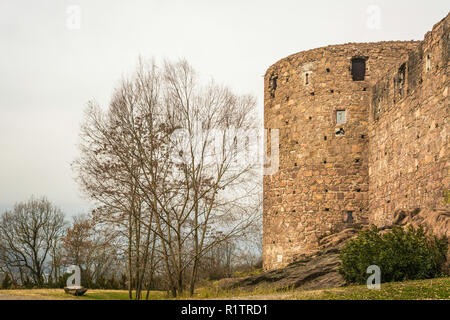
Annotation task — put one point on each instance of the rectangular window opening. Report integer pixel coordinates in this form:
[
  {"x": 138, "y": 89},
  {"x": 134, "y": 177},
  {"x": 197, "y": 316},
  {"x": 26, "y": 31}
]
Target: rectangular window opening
[
  {"x": 350, "y": 218},
  {"x": 341, "y": 117},
  {"x": 358, "y": 69}
]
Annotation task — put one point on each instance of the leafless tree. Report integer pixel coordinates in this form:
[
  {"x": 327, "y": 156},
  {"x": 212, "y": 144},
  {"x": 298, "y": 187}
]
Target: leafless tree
[
  {"x": 166, "y": 164},
  {"x": 29, "y": 233}
]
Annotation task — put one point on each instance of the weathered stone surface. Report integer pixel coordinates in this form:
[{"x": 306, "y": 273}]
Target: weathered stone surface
[
  {"x": 75, "y": 291},
  {"x": 391, "y": 153},
  {"x": 316, "y": 271}
]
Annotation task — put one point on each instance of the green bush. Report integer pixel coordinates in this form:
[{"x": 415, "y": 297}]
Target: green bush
[{"x": 401, "y": 255}]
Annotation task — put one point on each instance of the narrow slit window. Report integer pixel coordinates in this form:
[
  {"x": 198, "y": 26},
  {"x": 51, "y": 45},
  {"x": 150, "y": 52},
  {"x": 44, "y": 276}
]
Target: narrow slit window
[
  {"x": 358, "y": 69},
  {"x": 341, "y": 117},
  {"x": 306, "y": 78},
  {"x": 428, "y": 63},
  {"x": 401, "y": 79}
]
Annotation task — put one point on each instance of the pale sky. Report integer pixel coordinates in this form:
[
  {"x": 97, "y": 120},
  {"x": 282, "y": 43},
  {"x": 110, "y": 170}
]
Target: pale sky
[{"x": 50, "y": 68}]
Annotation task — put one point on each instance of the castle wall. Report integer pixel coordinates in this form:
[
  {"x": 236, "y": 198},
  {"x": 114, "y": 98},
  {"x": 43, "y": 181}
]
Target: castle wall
[
  {"x": 323, "y": 176},
  {"x": 409, "y": 132}
]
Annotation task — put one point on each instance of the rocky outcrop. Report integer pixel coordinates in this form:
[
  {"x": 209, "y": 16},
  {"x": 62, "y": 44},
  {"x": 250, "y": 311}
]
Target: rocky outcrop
[
  {"x": 316, "y": 271},
  {"x": 319, "y": 270}
]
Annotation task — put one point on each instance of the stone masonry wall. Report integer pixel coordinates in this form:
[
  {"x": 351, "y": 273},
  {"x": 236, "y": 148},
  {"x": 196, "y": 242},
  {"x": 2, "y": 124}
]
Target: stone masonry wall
[
  {"x": 323, "y": 178},
  {"x": 409, "y": 132}
]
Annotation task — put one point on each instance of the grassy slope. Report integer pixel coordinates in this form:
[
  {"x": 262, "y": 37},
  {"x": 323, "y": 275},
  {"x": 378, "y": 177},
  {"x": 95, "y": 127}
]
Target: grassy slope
[{"x": 423, "y": 289}]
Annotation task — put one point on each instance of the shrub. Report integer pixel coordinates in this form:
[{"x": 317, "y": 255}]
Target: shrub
[
  {"x": 6, "y": 283},
  {"x": 401, "y": 255}
]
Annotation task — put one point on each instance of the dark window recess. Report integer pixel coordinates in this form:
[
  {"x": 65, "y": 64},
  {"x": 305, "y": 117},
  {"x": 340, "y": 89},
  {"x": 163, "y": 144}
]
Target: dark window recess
[
  {"x": 349, "y": 217},
  {"x": 356, "y": 160},
  {"x": 358, "y": 69},
  {"x": 273, "y": 84},
  {"x": 306, "y": 78},
  {"x": 327, "y": 209},
  {"x": 332, "y": 91},
  {"x": 400, "y": 81},
  {"x": 325, "y": 138},
  {"x": 328, "y": 70},
  {"x": 340, "y": 132}
]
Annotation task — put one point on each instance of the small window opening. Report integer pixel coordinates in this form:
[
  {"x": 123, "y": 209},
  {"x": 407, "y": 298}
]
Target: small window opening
[
  {"x": 341, "y": 117},
  {"x": 332, "y": 91},
  {"x": 428, "y": 63},
  {"x": 327, "y": 209},
  {"x": 328, "y": 70},
  {"x": 401, "y": 79},
  {"x": 306, "y": 78},
  {"x": 357, "y": 160},
  {"x": 325, "y": 138},
  {"x": 340, "y": 132},
  {"x": 273, "y": 84},
  {"x": 358, "y": 69},
  {"x": 349, "y": 217}
]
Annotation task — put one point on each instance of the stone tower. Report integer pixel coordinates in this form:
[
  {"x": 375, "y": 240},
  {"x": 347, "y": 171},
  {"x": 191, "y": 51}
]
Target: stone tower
[{"x": 321, "y": 102}]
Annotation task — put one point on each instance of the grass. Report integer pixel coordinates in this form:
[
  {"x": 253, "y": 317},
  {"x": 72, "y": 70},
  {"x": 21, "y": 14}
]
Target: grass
[
  {"x": 91, "y": 294},
  {"x": 434, "y": 289}
]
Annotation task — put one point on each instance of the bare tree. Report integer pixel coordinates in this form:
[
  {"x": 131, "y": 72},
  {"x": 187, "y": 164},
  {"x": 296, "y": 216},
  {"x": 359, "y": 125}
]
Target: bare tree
[
  {"x": 91, "y": 247},
  {"x": 166, "y": 164},
  {"x": 29, "y": 233}
]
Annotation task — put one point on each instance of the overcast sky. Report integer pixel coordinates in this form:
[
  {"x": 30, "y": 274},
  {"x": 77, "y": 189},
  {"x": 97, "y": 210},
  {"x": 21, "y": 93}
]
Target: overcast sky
[{"x": 51, "y": 65}]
